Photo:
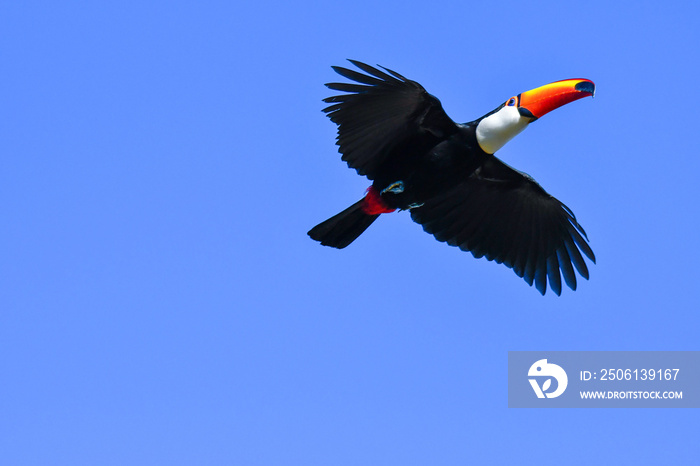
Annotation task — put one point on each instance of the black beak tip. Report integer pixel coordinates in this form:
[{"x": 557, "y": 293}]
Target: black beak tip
[{"x": 585, "y": 86}]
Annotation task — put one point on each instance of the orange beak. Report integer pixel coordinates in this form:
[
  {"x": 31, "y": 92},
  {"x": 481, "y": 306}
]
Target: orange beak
[{"x": 542, "y": 100}]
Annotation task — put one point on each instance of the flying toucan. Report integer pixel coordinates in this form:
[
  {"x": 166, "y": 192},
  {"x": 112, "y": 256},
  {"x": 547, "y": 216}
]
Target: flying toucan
[{"x": 396, "y": 134}]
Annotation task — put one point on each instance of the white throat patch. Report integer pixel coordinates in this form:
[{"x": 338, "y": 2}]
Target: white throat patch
[{"x": 495, "y": 130}]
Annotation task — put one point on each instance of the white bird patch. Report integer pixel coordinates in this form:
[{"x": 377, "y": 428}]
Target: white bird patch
[{"x": 494, "y": 131}]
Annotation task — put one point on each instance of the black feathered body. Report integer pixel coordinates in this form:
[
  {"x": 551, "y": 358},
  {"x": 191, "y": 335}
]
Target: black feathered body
[{"x": 426, "y": 173}]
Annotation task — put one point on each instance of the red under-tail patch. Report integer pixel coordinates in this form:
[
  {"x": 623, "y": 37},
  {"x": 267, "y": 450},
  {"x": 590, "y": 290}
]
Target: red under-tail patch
[{"x": 373, "y": 204}]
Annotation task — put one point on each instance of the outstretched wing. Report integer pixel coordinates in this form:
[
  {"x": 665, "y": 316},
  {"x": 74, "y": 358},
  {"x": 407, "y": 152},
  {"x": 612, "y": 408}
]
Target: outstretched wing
[
  {"x": 504, "y": 215},
  {"x": 383, "y": 116}
]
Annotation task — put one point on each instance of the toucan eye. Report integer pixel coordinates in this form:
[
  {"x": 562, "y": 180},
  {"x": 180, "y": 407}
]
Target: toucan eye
[{"x": 511, "y": 102}]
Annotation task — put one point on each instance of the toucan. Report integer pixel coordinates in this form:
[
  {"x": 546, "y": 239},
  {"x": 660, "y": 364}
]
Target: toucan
[{"x": 391, "y": 130}]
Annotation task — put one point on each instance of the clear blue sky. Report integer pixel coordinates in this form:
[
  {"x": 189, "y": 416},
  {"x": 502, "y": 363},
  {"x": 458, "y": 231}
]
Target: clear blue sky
[{"x": 160, "y": 302}]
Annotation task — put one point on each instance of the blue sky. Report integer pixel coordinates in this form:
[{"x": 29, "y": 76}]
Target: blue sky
[{"x": 160, "y": 300}]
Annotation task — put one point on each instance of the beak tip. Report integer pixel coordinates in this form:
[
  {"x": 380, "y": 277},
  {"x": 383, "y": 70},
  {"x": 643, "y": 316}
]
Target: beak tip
[{"x": 586, "y": 86}]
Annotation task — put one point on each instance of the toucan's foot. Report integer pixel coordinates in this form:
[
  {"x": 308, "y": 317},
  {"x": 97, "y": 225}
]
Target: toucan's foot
[{"x": 395, "y": 188}]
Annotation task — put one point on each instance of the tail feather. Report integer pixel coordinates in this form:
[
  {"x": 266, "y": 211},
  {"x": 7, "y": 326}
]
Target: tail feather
[{"x": 344, "y": 228}]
